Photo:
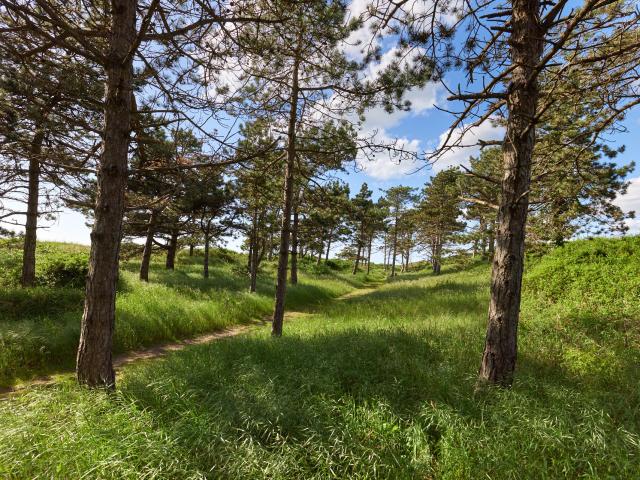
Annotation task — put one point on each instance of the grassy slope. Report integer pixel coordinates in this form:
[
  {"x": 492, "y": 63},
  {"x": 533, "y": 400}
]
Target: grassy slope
[
  {"x": 375, "y": 386},
  {"x": 39, "y": 328}
]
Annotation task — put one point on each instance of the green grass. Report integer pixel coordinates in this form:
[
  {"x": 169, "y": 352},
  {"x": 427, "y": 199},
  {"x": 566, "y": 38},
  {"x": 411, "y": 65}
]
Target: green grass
[
  {"x": 40, "y": 327},
  {"x": 373, "y": 386}
]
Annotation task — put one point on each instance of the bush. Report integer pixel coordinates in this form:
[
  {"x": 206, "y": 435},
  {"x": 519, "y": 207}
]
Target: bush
[{"x": 63, "y": 270}]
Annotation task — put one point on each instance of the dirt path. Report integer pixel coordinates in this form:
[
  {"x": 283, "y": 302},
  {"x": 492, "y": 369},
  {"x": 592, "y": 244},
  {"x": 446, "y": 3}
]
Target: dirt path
[{"x": 158, "y": 351}]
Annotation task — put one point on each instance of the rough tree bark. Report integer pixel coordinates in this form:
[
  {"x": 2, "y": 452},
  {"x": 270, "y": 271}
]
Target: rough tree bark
[
  {"x": 283, "y": 257},
  {"x": 28, "y": 277},
  {"x": 94, "y": 366},
  {"x": 499, "y": 357},
  {"x": 170, "y": 263},
  {"x": 148, "y": 246}
]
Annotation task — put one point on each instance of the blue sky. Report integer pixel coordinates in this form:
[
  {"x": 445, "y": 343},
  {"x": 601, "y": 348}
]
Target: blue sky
[
  {"x": 421, "y": 130},
  {"x": 424, "y": 127}
]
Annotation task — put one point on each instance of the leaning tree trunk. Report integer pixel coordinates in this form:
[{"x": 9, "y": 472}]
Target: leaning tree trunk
[
  {"x": 294, "y": 246},
  {"x": 170, "y": 263},
  {"x": 500, "y": 351},
  {"x": 148, "y": 246},
  {"x": 287, "y": 200},
  {"x": 28, "y": 277},
  {"x": 94, "y": 363}
]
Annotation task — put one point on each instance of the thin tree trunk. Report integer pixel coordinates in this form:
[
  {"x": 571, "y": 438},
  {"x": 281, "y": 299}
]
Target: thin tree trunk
[
  {"x": 28, "y": 277},
  {"x": 205, "y": 264},
  {"x": 283, "y": 258},
  {"x": 384, "y": 253},
  {"x": 254, "y": 269},
  {"x": 319, "y": 261},
  {"x": 395, "y": 247},
  {"x": 369, "y": 255},
  {"x": 170, "y": 264},
  {"x": 500, "y": 352},
  {"x": 94, "y": 365},
  {"x": 294, "y": 246},
  {"x": 408, "y": 255},
  {"x": 357, "y": 262},
  {"x": 326, "y": 258},
  {"x": 191, "y": 248},
  {"x": 148, "y": 245},
  {"x": 253, "y": 252}
]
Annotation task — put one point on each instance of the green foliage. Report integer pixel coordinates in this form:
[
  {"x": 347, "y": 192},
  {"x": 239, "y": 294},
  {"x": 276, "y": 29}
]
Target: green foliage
[
  {"x": 376, "y": 385},
  {"x": 63, "y": 270},
  {"x": 39, "y": 327}
]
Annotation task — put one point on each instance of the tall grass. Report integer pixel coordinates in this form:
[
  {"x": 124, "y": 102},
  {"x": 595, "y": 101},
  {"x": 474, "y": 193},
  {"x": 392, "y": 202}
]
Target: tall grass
[
  {"x": 40, "y": 327},
  {"x": 373, "y": 386}
]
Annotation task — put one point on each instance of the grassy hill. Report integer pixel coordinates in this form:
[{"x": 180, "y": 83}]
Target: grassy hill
[
  {"x": 379, "y": 384},
  {"x": 40, "y": 327}
]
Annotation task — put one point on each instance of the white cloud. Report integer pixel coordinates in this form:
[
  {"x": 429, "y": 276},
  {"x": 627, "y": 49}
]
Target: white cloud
[
  {"x": 468, "y": 142},
  {"x": 631, "y": 202},
  {"x": 422, "y": 100},
  {"x": 382, "y": 166}
]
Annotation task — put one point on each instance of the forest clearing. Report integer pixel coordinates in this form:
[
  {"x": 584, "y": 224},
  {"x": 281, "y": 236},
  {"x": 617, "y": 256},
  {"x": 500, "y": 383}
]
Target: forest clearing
[
  {"x": 378, "y": 384},
  {"x": 319, "y": 239}
]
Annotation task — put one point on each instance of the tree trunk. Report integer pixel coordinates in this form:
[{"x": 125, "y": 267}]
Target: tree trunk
[
  {"x": 499, "y": 357},
  {"x": 384, "y": 253},
  {"x": 437, "y": 256},
  {"x": 408, "y": 255},
  {"x": 294, "y": 246},
  {"x": 254, "y": 268},
  {"x": 205, "y": 263},
  {"x": 395, "y": 247},
  {"x": 94, "y": 363},
  {"x": 357, "y": 262},
  {"x": 148, "y": 245},
  {"x": 491, "y": 243},
  {"x": 28, "y": 277},
  {"x": 326, "y": 258},
  {"x": 170, "y": 264},
  {"x": 283, "y": 258},
  {"x": 369, "y": 255},
  {"x": 253, "y": 252},
  {"x": 320, "y": 251},
  {"x": 191, "y": 247}
]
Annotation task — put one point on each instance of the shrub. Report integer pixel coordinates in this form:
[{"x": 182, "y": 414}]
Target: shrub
[{"x": 63, "y": 270}]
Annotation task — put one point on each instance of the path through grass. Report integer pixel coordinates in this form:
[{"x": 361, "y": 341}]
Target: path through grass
[{"x": 378, "y": 385}]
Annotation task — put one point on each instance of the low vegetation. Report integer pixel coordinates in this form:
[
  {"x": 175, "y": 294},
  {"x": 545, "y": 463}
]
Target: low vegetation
[
  {"x": 379, "y": 384},
  {"x": 40, "y": 327}
]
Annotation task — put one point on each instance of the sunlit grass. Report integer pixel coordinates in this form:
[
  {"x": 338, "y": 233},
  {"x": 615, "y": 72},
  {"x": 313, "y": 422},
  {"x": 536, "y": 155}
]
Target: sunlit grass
[
  {"x": 379, "y": 385},
  {"x": 40, "y": 327}
]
